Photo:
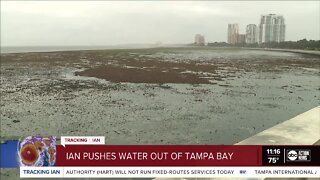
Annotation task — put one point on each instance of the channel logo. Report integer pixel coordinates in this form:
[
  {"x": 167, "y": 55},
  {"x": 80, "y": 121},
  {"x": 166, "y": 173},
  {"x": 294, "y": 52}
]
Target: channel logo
[{"x": 298, "y": 155}]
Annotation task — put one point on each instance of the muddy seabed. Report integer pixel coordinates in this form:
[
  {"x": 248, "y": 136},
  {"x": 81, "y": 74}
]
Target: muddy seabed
[{"x": 155, "y": 96}]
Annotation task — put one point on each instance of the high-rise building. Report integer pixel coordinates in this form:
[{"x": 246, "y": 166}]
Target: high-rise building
[
  {"x": 241, "y": 39},
  {"x": 252, "y": 34},
  {"x": 272, "y": 28},
  {"x": 199, "y": 40},
  {"x": 233, "y": 32}
]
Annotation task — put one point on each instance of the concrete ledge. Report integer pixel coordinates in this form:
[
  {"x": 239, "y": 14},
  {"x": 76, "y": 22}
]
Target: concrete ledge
[{"x": 303, "y": 129}]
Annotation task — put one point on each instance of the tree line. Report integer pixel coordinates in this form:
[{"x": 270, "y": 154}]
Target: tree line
[{"x": 300, "y": 44}]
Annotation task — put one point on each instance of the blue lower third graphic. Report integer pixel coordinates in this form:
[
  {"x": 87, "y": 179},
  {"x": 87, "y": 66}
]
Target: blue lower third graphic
[{"x": 8, "y": 154}]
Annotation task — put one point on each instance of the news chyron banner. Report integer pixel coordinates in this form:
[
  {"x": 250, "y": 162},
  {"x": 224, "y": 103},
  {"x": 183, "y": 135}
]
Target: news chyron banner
[{"x": 85, "y": 157}]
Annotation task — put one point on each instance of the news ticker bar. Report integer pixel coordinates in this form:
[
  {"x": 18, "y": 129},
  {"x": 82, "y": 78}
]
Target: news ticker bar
[
  {"x": 187, "y": 155},
  {"x": 166, "y": 172}
]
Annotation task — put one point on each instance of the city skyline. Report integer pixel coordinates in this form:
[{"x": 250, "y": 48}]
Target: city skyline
[
  {"x": 49, "y": 23},
  {"x": 272, "y": 28}
]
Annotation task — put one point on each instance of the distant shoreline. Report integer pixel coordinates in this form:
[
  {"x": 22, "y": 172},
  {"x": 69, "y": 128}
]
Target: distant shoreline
[
  {"x": 301, "y": 51},
  {"x": 46, "y": 49}
]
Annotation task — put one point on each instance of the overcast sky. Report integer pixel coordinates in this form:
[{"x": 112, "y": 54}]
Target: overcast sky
[{"x": 32, "y": 23}]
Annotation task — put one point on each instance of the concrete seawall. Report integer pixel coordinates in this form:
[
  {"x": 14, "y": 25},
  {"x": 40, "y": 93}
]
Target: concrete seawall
[{"x": 303, "y": 129}]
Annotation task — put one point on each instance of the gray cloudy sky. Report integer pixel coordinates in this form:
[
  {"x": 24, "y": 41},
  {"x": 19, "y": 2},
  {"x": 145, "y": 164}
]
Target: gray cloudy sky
[{"x": 32, "y": 23}]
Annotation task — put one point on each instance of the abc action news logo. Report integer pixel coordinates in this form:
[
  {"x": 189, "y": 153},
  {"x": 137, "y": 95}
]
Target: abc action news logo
[{"x": 298, "y": 155}]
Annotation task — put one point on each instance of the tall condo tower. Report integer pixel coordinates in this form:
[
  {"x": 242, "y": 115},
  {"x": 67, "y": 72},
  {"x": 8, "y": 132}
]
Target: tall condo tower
[
  {"x": 272, "y": 28},
  {"x": 251, "y": 34},
  {"x": 233, "y": 33},
  {"x": 199, "y": 40}
]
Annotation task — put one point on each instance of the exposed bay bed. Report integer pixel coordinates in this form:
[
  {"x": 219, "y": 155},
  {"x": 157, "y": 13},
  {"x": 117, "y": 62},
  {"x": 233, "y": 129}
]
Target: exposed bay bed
[{"x": 155, "y": 96}]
